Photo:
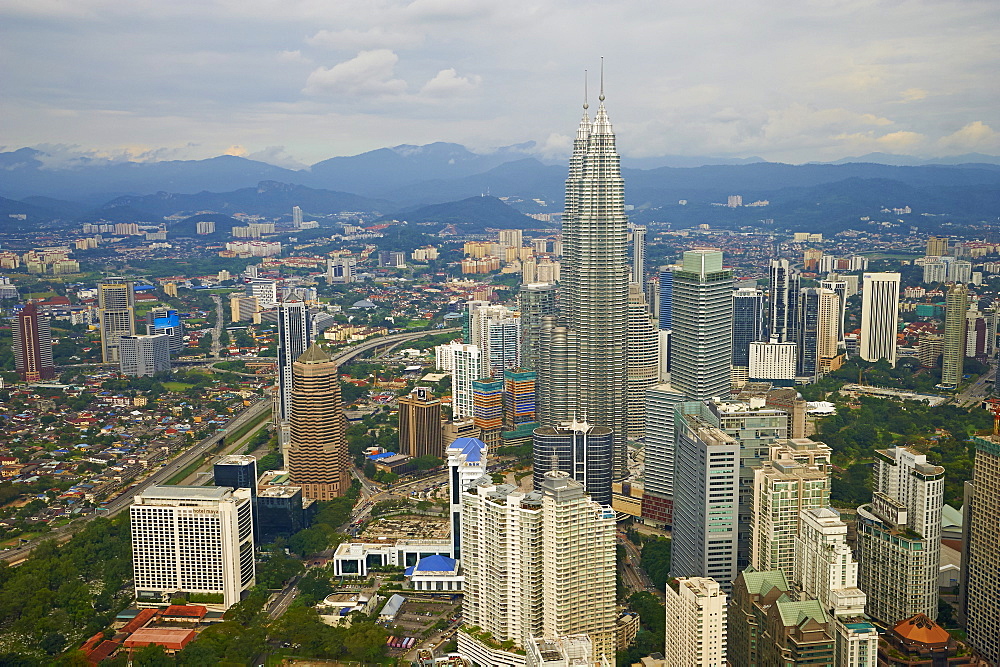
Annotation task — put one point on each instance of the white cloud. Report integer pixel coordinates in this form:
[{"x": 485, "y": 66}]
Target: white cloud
[
  {"x": 447, "y": 83},
  {"x": 356, "y": 40},
  {"x": 977, "y": 137},
  {"x": 294, "y": 57},
  {"x": 276, "y": 155},
  {"x": 369, "y": 74}
]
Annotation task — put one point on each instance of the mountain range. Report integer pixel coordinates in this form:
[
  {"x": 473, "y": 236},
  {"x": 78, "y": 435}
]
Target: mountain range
[{"x": 406, "y": 179}]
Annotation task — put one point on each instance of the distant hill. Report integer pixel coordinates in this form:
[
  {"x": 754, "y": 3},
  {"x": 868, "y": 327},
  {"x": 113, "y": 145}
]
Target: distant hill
[
  {"x": 267, "y": 198},
  {"x": 473, "y": 215}
]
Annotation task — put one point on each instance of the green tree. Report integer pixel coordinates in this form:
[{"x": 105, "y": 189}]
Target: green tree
[{"x": 152, "y": 655}]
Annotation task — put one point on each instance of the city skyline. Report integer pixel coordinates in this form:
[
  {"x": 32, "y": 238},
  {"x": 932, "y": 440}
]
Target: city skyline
[{"x": 807, "y": 82}]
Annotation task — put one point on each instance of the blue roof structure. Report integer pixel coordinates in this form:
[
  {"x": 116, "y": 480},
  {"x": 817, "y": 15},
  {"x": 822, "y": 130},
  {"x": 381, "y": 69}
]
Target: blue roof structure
[
  {"x": 436, "y": 563},
  {"x": 471, "y": 447},
  {"x": 376, "y": 457}
]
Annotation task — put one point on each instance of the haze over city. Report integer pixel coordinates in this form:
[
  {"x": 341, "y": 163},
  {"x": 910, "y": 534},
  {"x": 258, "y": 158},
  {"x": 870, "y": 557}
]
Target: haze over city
[{"x": 292, "y": 83}]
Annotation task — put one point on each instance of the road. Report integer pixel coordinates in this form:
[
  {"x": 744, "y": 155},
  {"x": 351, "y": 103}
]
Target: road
[
  {"x": 633, "y": 575},
  {"x": 217, "y": 332},
  {"x": 975, "y": 392},
  {"x": 160, "y": 476}
]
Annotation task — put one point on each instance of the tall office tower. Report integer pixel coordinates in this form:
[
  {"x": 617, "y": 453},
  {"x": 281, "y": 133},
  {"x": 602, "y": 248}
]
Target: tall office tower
[
  {"x": 236, "y": 471},
  {"x": 466, "y": 459},
  {"x": 317, "y": 454},
  {"x": 816, "y": 336},
  {"x": 899, "y": 536},
  {"x": 293, "y": 340},
  {"x": 487, "y": 409},
  {"x": 652, "y": 290},
  {"x": 240, "y": 472},
  {"x": 783, "y": 295},
  {"x": 581, "y": 450},
  {"x": 116, "y": 300},
  {"x": 666, "y": 310},
  {"x": 638, "y": 272},
  {"x": 519, "y": 403},
  {"x": 465, "y": 363},
  {"x": 166, "y": 321},
  {"x": 539, "y": 563},
  {"x": 702, "y": 338},
  {"x": 960, "y": 271},
  {"x": 956, "y": 304},
  {"x": 341, "y": 270},
  {"x": 840, "y": 287},
  {"x": 757, "y": 427},
  {"x": 748, "y": 323},
  {"x": 535, "y": 301},
  {"x": 774, "y": 362},
  {"x": 557, "y": 380},
  {"x": 825, "y": 570},
  {"x": 192, "y": 539},
  {"x": 783, "y": 488},
  {"x": 296, "y": 217},
  {"x": 265, "y": 291},
  {"x": 144, "y": 356},
  {"x": 33, "y": 345},
  {"x": 980, "y": 599},
  {"x": 696, "y": 623},
  {"x": 594, "y": 290},
  {"x": 706, "y": 498},
  {"x": 937, "y": 246},
  {"x": 975, "y": 333},
  {"x": 658, "y": 475},
  {"x": 420, "y": 432},
  {"x": 879, "y": 317},
  {"x": 642, "y": 357}
]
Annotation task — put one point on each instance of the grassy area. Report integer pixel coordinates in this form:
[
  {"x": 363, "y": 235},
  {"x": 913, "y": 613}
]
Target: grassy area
[
  {"x": 185, "y": 472},
  {"x": 246, "y": 428},
  {"x": 177, "y": 386}
]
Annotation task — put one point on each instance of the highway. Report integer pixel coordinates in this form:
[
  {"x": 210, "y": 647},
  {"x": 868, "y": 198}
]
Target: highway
[
  {"x": 633, "y": 576},
  {"x": 977, "y": 391}
]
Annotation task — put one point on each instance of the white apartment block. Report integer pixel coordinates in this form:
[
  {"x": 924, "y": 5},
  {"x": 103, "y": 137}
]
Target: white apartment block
[
  {"x": 193, "y": 540},
  {"x": 144, "y": 355},
  {"x": 539, "y": 563},
  {"x": 465, "y": 363},
  {"x": 825, "y": 570},
  {"x": 771, "y": 361},
  {"x": 899, "y": 536},
  {"x": 879, "y": 317},
  {"x": 696, "y": 623}
]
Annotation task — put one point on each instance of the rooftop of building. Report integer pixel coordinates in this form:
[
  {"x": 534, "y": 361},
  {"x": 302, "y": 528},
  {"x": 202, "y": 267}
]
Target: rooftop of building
[
  {"x": 216, "y": 493},
  {"x": 760, "y": 583},
  {"x": 235, "y": 460},
  {"x": 921, "y": 629},
  {"x": 800, "y": 612}
]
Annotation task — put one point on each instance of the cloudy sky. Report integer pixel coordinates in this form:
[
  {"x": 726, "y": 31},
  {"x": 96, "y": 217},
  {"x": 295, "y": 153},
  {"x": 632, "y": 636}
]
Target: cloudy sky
[{"x": 297, "y": 81}]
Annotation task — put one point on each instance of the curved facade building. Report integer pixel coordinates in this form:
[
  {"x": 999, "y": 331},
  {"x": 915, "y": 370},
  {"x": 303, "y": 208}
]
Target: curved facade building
[{"x": 581, "y": 450}]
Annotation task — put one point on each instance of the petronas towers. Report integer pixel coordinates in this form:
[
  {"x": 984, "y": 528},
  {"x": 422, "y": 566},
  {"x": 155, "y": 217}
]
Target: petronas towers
[{"x": 582, "y": 370}]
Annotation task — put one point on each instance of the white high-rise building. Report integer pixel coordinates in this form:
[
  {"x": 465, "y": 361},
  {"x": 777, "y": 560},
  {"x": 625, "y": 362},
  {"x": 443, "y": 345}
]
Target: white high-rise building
[
  {"x": 706, "y": 497},
  {"x": 497, "y": 332},
  {"x": 899, "y": 536},
  {"x": 144, "y": 356},
  {"x": 960, "y": 271},
  {"x": 192, "y": 539},
  {"x": 296, "y": 217},
  {"x": 935, "y": 271},
  {"x": 116, "y": 300},
  {"x": 265, "y": 291},
  {"x": 879, "y": 317},
  {"x": 465, "y": 363},
  {"x": 341, "y": 270},
  {"x": 466, "y": 463},
  {"x": 696, "y": 623},
  {"x": 771, "y": 361},
  {"x": 638, "y": 272},
  {"x": 536, "y": 564},
  {"x": 825, "y": 570}
]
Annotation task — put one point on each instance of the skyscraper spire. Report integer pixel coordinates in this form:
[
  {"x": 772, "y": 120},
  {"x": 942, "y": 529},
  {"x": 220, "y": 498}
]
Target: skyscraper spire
[
  {"x": 601, "y": 97},
  {"x": 586, "y": 104}
]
